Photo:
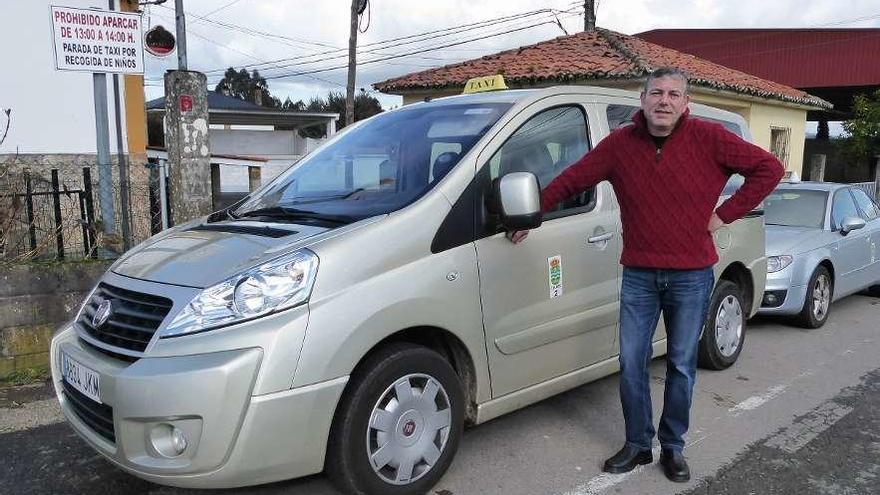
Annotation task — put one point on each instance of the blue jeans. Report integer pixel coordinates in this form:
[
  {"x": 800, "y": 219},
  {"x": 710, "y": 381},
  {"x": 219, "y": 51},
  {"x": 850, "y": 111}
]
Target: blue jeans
[{"x": 683, "y": 298}]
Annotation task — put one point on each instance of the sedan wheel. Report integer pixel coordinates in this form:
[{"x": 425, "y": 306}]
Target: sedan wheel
[
  {"x": 817, "y": 304},
  {"x": 821, "y": 297}
]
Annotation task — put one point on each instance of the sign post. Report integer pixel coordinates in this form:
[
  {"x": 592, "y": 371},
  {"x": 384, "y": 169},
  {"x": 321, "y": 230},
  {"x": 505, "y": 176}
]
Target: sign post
[{"x": 100, "y": 42}]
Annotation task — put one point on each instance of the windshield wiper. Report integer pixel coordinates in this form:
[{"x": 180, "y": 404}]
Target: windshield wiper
[{"x": 287, "y": 213}]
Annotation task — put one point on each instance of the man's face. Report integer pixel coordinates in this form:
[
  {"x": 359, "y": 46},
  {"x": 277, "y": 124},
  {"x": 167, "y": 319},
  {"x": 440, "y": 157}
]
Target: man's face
[{"x": 663, "y": 103}]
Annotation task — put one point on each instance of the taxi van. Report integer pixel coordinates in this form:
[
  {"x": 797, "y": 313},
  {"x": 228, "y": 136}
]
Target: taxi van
[{"x": 354, "y": 314}]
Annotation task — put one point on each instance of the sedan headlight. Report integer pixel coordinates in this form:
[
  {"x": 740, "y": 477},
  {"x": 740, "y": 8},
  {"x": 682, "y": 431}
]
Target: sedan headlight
[
  {"x": 777, "y": 263},
  {"x": 275, "y": 285}
]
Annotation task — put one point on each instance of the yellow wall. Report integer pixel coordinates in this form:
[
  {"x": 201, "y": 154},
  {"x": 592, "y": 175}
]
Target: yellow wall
[
  {"x": 135, "y": 105},
  {"x": 760, "y": 115}
]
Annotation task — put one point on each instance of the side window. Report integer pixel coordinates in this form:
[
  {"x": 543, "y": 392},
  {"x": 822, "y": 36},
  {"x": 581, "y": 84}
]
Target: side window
[
  {"x": 842, "y": 207},
  {"x": 546, "y": 145},
  {"x": 619, "y": 115},
  {"x": 868, "y": 208}
]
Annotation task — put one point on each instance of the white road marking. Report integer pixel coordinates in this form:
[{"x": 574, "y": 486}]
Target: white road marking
[
  {"x": 756, "y": 401},
  {"x": 604, "y": 481},
  {"x": 794, "y": 438}
]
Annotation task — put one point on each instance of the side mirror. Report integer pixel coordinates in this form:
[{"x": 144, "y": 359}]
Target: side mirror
[
  {"x": 519, "y": 198},
  {"x": 851, "y": 223}
]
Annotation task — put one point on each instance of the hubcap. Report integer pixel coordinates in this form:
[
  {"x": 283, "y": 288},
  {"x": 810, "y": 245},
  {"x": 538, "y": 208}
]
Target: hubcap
[
  {"x": 409, "y": 428},
  {"x": 728, "y": 326},
  {"x": 821, "y": 297}
]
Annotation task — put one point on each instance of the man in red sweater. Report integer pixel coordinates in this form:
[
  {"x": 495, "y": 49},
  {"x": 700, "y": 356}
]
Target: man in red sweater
[{"x": 667, "y": 171}]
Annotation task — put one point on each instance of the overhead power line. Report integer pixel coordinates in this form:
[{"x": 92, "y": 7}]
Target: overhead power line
[
  {"x": 302, "y": 60},
  {"x": 387, "y": 59},
  {"x": 403, "y": 40}
]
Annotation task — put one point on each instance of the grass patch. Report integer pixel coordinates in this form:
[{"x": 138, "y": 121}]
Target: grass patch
[{"x": 27, "y": 376}]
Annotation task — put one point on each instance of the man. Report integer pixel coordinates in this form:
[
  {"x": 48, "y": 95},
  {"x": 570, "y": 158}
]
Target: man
[{"x": 667, "y": 171}]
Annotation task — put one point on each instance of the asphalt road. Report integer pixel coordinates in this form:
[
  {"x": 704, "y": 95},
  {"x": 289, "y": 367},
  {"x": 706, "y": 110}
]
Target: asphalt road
[{"x": 798, "y": 414}]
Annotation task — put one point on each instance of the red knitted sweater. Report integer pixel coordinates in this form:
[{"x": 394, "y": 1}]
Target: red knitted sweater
[{"x": 667, "y": 196}]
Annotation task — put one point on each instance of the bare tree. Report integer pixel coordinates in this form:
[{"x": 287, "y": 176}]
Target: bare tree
[{"x": 8, "y": 112}]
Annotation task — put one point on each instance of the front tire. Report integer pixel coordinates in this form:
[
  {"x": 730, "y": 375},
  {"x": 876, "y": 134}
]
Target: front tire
[
  {"x": 724, "y": 332},
  {"x": 817, "y": 303},
  {"x": 398, "y": 424}
]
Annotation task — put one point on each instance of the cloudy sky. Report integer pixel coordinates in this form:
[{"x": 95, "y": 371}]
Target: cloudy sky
[{"x": 293, "y": 42}]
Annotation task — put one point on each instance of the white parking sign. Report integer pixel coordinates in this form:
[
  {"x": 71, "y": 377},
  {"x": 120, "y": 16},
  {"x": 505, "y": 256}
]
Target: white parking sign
[{"x": 97, "y": 40}]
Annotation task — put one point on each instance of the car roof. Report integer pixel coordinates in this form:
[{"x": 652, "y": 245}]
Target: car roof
[
  {"x": 526, "y": 96},
  {"x": 812, "y": 186}
]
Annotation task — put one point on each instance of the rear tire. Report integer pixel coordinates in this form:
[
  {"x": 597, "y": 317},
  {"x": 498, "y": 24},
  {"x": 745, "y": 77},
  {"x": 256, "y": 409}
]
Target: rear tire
[
  {"x": 724, "y": 332},
  {"x": 388, "y": 437},
  {"x": 817, "y": 303}
]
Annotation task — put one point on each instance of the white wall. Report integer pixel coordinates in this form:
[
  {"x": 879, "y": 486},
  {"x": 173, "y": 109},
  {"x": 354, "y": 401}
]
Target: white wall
[
  {"x": 52, "y": 111},
  {"x": 256, "y": 143}
]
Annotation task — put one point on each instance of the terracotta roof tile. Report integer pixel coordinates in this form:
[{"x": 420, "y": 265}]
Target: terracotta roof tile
[{"x": 600, "y": 54}]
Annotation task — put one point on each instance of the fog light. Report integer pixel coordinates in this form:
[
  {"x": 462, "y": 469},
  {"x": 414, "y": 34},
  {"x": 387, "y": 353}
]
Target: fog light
[
  {"x": 178, "y": 440},
  {"x": 168, "y": 440},
  {"x": 773, "y": 299}
]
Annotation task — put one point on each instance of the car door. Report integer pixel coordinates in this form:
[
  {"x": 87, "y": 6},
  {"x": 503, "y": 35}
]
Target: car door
[
  {"x": 550, "y": 304},
  {"x": 852, "y": 250},
  {"x": 871, "y": 213}
]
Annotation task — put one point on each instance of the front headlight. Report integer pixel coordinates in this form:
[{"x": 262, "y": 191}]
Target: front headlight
[
  {"x": 275, "y": 285},
  {"x": 777, "y": 263}
]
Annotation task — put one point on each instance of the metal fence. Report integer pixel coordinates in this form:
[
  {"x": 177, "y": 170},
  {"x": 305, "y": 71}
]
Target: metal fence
[
  {"x": 67, "y": 213},
  {"x": 870, "y": 188}
]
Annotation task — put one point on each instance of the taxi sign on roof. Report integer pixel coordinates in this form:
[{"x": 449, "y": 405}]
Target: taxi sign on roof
[{"x": 483, "y": 84}]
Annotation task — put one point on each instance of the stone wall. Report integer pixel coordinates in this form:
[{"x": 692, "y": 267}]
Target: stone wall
[{"x": 35, "y": 299}]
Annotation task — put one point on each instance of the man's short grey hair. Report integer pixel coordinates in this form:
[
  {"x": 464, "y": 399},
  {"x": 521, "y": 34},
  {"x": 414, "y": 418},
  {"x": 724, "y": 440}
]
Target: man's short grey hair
[{"x": 664, "y": 72}]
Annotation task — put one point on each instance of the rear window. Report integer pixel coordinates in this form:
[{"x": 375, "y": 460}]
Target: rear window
[{"x": 795, "y": 208}]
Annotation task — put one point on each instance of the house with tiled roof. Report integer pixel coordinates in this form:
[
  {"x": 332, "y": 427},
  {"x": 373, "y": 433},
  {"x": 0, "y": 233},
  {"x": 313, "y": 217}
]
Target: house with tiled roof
[{"x": 776, "y": 113}]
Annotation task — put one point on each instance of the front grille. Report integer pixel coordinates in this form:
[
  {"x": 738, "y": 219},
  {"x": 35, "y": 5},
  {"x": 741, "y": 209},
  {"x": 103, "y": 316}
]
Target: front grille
[
  {"x": 134, "y": 317},
  {"x": 99, "y": 417}
]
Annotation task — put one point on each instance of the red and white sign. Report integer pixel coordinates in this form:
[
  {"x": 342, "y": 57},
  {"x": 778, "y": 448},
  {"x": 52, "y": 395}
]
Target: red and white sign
[
  {"x": 186, "y": 103},
  {"x": 91, "y": 40}
]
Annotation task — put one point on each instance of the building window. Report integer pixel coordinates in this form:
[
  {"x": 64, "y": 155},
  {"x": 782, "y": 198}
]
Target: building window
[{"x": 779, "y": 143}]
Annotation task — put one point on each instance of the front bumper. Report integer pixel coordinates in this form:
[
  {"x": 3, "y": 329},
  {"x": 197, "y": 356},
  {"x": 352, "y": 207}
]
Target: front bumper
[
  {"x": 234, "y": 438},
  {"x": 780, "y": 282}
]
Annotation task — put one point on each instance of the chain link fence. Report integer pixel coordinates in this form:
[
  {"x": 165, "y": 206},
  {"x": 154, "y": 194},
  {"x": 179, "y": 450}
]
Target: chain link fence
[{"x": 72, "y": 212}]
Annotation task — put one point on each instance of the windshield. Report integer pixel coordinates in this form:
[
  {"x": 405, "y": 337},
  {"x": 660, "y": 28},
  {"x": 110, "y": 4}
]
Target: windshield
[
  {"x": 795, "y": 208},
  {"x": 379, "y": 166}
]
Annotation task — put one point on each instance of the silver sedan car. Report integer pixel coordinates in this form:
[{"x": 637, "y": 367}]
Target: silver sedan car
[{"x": 822, "y": 244}]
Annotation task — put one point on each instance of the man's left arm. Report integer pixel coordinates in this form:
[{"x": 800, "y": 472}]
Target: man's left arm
[{"x": 762, "y": 172}]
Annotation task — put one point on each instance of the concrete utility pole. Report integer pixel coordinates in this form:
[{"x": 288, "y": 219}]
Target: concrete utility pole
[
  {"x": 589, "y": 15},
  {"x": 186, "y": 140},
  {"x": 352, "y": 63},
  {"x": 181, "y": 34}
]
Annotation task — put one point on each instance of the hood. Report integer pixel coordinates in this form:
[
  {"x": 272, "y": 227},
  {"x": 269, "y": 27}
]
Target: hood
[
  {"x": 202, "y": 254},
  {"x": 791, "y": 240}
]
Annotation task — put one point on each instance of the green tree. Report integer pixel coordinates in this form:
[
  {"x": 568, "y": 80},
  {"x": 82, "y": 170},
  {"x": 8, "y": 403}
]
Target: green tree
[
  {"x": 365, "y": 105},
  {"x": 290, "y": 105},
  {"x": 861, "y": 139},
  {"x": 246, "y": 86}
]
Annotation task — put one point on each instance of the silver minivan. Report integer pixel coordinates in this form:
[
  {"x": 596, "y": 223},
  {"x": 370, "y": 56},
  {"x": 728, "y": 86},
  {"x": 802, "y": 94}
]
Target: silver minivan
[{"x": 353, "y": 315}]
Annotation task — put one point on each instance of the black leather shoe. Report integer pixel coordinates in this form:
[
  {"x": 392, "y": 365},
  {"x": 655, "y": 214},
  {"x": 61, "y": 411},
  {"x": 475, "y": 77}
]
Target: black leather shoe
[
  {"x": 674, "y": 466},
  {"x": 627, "y": 459}
]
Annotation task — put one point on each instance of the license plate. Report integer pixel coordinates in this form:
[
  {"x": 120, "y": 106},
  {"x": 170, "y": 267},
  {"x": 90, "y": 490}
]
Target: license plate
[{"x": 84, "y": 379}]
